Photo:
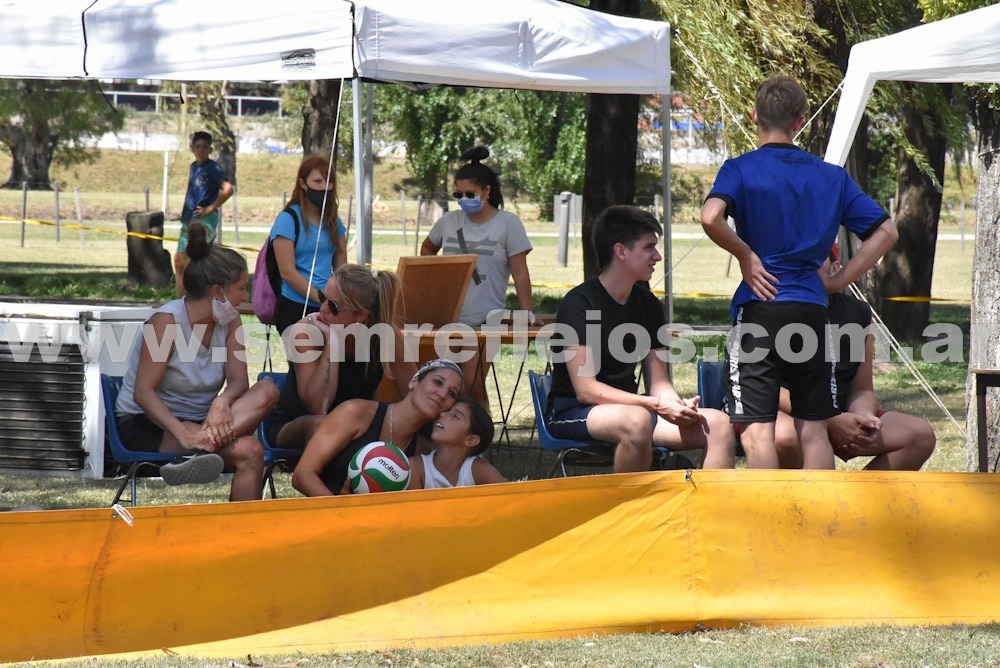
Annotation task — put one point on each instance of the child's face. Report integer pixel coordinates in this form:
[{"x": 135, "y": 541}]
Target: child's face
[
  {"x": 201, "y": 149},
  {"x": 452, "y": 426}
]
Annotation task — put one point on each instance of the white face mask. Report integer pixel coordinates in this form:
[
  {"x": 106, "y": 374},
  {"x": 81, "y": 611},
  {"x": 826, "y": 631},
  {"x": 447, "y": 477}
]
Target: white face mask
[{"x": 224, "y": 312}]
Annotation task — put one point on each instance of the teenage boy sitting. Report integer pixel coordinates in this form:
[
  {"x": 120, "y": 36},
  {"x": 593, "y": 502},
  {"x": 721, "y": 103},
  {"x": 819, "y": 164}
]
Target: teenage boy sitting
[{"x": 618, "y": 322}]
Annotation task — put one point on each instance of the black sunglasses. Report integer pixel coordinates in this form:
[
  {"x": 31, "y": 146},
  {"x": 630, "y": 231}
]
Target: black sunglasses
[
  {"x": 468, "y": 194},
  {"x": 330, "y": 304}
]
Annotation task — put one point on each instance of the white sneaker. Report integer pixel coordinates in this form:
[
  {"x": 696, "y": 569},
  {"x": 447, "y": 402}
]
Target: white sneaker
[{"x": 193, "y": 469}]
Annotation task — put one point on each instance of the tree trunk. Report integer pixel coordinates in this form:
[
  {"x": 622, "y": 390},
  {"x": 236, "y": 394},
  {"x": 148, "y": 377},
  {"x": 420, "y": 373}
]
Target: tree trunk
[
  {"x": 213, "y": 113},
  {"x": 984, "y": 352},
  {"x": 31, "y": 159},
  {"x": 907, "y": 268},
  {"x": 320, "y": 117},
  {"x": 612, "y": 136}
]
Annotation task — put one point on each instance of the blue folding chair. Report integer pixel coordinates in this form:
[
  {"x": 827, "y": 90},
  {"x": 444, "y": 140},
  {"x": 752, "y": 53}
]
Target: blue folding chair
[
  {"x": 580, "y": 453},
  {"x": 135, "y": 459},
  {"x": 712, "y": 381},
  {"x": 275, "y": 457}
]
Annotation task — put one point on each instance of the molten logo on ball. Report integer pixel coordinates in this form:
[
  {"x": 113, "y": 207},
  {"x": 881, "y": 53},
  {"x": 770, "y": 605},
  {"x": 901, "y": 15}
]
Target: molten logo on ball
[{"x": 379, "y": 467}]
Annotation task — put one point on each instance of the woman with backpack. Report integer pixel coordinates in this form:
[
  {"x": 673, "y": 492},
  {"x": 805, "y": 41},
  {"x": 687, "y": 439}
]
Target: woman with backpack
[{"x": 307, "y": 238}]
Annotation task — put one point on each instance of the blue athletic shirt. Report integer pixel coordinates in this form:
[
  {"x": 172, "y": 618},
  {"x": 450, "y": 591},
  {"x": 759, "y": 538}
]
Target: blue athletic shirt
[
  {"x": 204, "y": 183},
  {"x": 284, "y": 226},
  {"x": 788, "y": 206}
]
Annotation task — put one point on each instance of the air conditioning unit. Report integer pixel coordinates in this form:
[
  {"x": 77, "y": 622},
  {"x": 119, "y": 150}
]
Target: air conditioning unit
[{"x": 51, "y": 358}]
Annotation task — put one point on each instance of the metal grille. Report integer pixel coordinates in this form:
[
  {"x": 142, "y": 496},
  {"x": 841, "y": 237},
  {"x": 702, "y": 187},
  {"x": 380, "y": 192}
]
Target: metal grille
[{"x": 41, "y": 410}]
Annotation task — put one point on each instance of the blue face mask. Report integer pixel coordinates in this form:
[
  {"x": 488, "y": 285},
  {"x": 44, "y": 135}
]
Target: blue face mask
[{"x": 470, "y": 206}]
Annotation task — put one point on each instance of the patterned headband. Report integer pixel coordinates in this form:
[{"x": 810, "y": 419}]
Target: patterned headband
[{"x": 441, "y": 364}]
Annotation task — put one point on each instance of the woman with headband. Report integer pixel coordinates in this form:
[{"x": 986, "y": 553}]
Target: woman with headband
[
  {"x": 327, "y": 369},
  {"x": 322, "y": 469}
]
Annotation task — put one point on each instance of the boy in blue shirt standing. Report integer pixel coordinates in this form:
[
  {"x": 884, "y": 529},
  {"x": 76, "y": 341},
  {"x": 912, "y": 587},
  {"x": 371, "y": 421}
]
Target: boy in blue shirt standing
[
  {"x": 208, "y": 189},
  {"x": 788, "y": 206}
]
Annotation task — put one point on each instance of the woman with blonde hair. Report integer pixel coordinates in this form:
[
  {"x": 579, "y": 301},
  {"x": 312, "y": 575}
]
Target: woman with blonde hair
[
  {"x": 309, "y": 240},
  {"x": 341, "y": 352}
]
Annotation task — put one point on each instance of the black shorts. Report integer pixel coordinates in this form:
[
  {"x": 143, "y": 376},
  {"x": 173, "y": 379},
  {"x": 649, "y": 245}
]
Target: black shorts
[
  {"x": 774, "y": 344},
  {"x": 139, "y": 433}
]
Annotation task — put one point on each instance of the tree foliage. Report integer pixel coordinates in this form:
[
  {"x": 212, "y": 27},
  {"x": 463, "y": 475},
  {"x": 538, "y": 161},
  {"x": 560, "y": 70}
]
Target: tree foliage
[
  {"x": 47, "y": 121},
  {"x": 536, "y": 138}
]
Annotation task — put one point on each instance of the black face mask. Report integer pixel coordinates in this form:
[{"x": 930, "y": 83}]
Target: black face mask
[{"x": 316, "y": 196}]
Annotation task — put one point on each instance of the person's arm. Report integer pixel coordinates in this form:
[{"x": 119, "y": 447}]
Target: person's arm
[
  {"x": 338, "y": 429},
  {"x": 485, "y": 473},
  {"x": 669, "y": 404},
  {"x": 713, "y": 220},
  {"x": 219, "y": 421},
  {"x": 284, "y": 253},
  {"x": 340, "y": 250},
  {"x": 589, "y": 390},
  {"x": 416, "y": 480},
  {"x": 225, "y": 192},
  {"x": 317, "y": 380},
  {"x": 866, "y": 257},
  {"x": 162, "y": 328},
  {"x": 522, "y": 281},
  {"x": 429, "y": 247}
]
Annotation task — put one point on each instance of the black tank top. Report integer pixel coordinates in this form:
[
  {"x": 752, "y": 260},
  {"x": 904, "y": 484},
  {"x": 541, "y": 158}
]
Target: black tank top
[{"x": 335, "y": 473}]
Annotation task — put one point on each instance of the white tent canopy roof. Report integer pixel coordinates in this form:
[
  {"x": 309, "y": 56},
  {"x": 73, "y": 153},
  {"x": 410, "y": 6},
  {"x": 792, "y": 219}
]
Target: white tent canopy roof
[
  {"x": 528, "y": 44},
  {"x": 964, "y": 48}
]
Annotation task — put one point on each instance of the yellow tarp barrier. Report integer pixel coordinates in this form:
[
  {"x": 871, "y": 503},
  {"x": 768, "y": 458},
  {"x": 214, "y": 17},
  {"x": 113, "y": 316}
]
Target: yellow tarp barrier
[{"x": 595, "y": 554}]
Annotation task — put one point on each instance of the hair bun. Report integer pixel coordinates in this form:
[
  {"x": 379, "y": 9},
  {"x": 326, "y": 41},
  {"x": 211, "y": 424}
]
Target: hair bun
[
  {"x": 476, "y": 154},
  {"x": 198, "y": 241}
]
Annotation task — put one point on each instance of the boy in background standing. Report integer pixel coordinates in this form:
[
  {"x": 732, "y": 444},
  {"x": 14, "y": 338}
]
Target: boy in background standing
[{"x": 208, "y": 189}]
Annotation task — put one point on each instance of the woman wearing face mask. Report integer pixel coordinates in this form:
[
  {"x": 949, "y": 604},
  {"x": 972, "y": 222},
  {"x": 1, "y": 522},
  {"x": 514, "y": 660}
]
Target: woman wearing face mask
[
  {"x": 189, "y": 349},
  {"x": 314, "y": 199},
  {"x": 497, "y": 237}
]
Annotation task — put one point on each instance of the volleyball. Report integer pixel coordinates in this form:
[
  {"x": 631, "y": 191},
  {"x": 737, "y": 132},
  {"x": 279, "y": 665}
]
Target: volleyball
[{"x": 378, "y": 467}]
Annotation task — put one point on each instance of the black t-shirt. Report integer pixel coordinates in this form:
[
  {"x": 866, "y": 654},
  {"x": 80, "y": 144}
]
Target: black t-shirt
[{"x": 640, "y": 318}]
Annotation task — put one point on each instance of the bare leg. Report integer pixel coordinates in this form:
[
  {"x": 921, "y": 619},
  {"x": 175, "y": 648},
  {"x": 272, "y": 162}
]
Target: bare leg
[
  {"x": 296, "y": 434},
  {"x": 253, "y": 405},
  {"x": 786, "y": 441},
  {"x": 817, "y": 453},
  {"x": 180, "y": 262},
  {"x": 758, "y": 443},
  {"x": 714, "y": 435},
  {"x": 245, "y": 458},
  {"x": 630, "y": 428},
  {"x": 906, "y": 443}
]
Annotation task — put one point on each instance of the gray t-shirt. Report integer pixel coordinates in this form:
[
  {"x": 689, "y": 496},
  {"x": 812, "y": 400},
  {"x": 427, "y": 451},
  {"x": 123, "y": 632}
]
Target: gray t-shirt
[
  {"x": 194, "y": 374},
  {"x": 494, "y": 242}
]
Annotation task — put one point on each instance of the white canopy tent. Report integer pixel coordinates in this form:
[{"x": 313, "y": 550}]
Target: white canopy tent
[
  {"x": 525, "y": 44},
  {"x": 964, "y": 48}
]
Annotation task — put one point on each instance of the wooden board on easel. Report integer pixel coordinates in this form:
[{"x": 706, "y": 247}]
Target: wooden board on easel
[{"x": 434, "y": 287}]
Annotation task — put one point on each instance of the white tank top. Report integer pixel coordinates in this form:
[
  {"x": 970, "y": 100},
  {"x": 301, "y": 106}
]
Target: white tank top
[
  {"x": 194, "y": 375},
  {"x": 434, "y": 479}
]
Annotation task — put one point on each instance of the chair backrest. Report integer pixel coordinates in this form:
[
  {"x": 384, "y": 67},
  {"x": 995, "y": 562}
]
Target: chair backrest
[
  {"x": 540, "y": 385},
  {"x": 712, "y": 383},
  {"x": 279, "y": 378}
]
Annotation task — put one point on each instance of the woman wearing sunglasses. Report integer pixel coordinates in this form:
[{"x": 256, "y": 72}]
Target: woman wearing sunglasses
[
  {"x": 326, "y": 365},
  {"x": 482, "y": 228},
  {"x": 302, "y": 245}
]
